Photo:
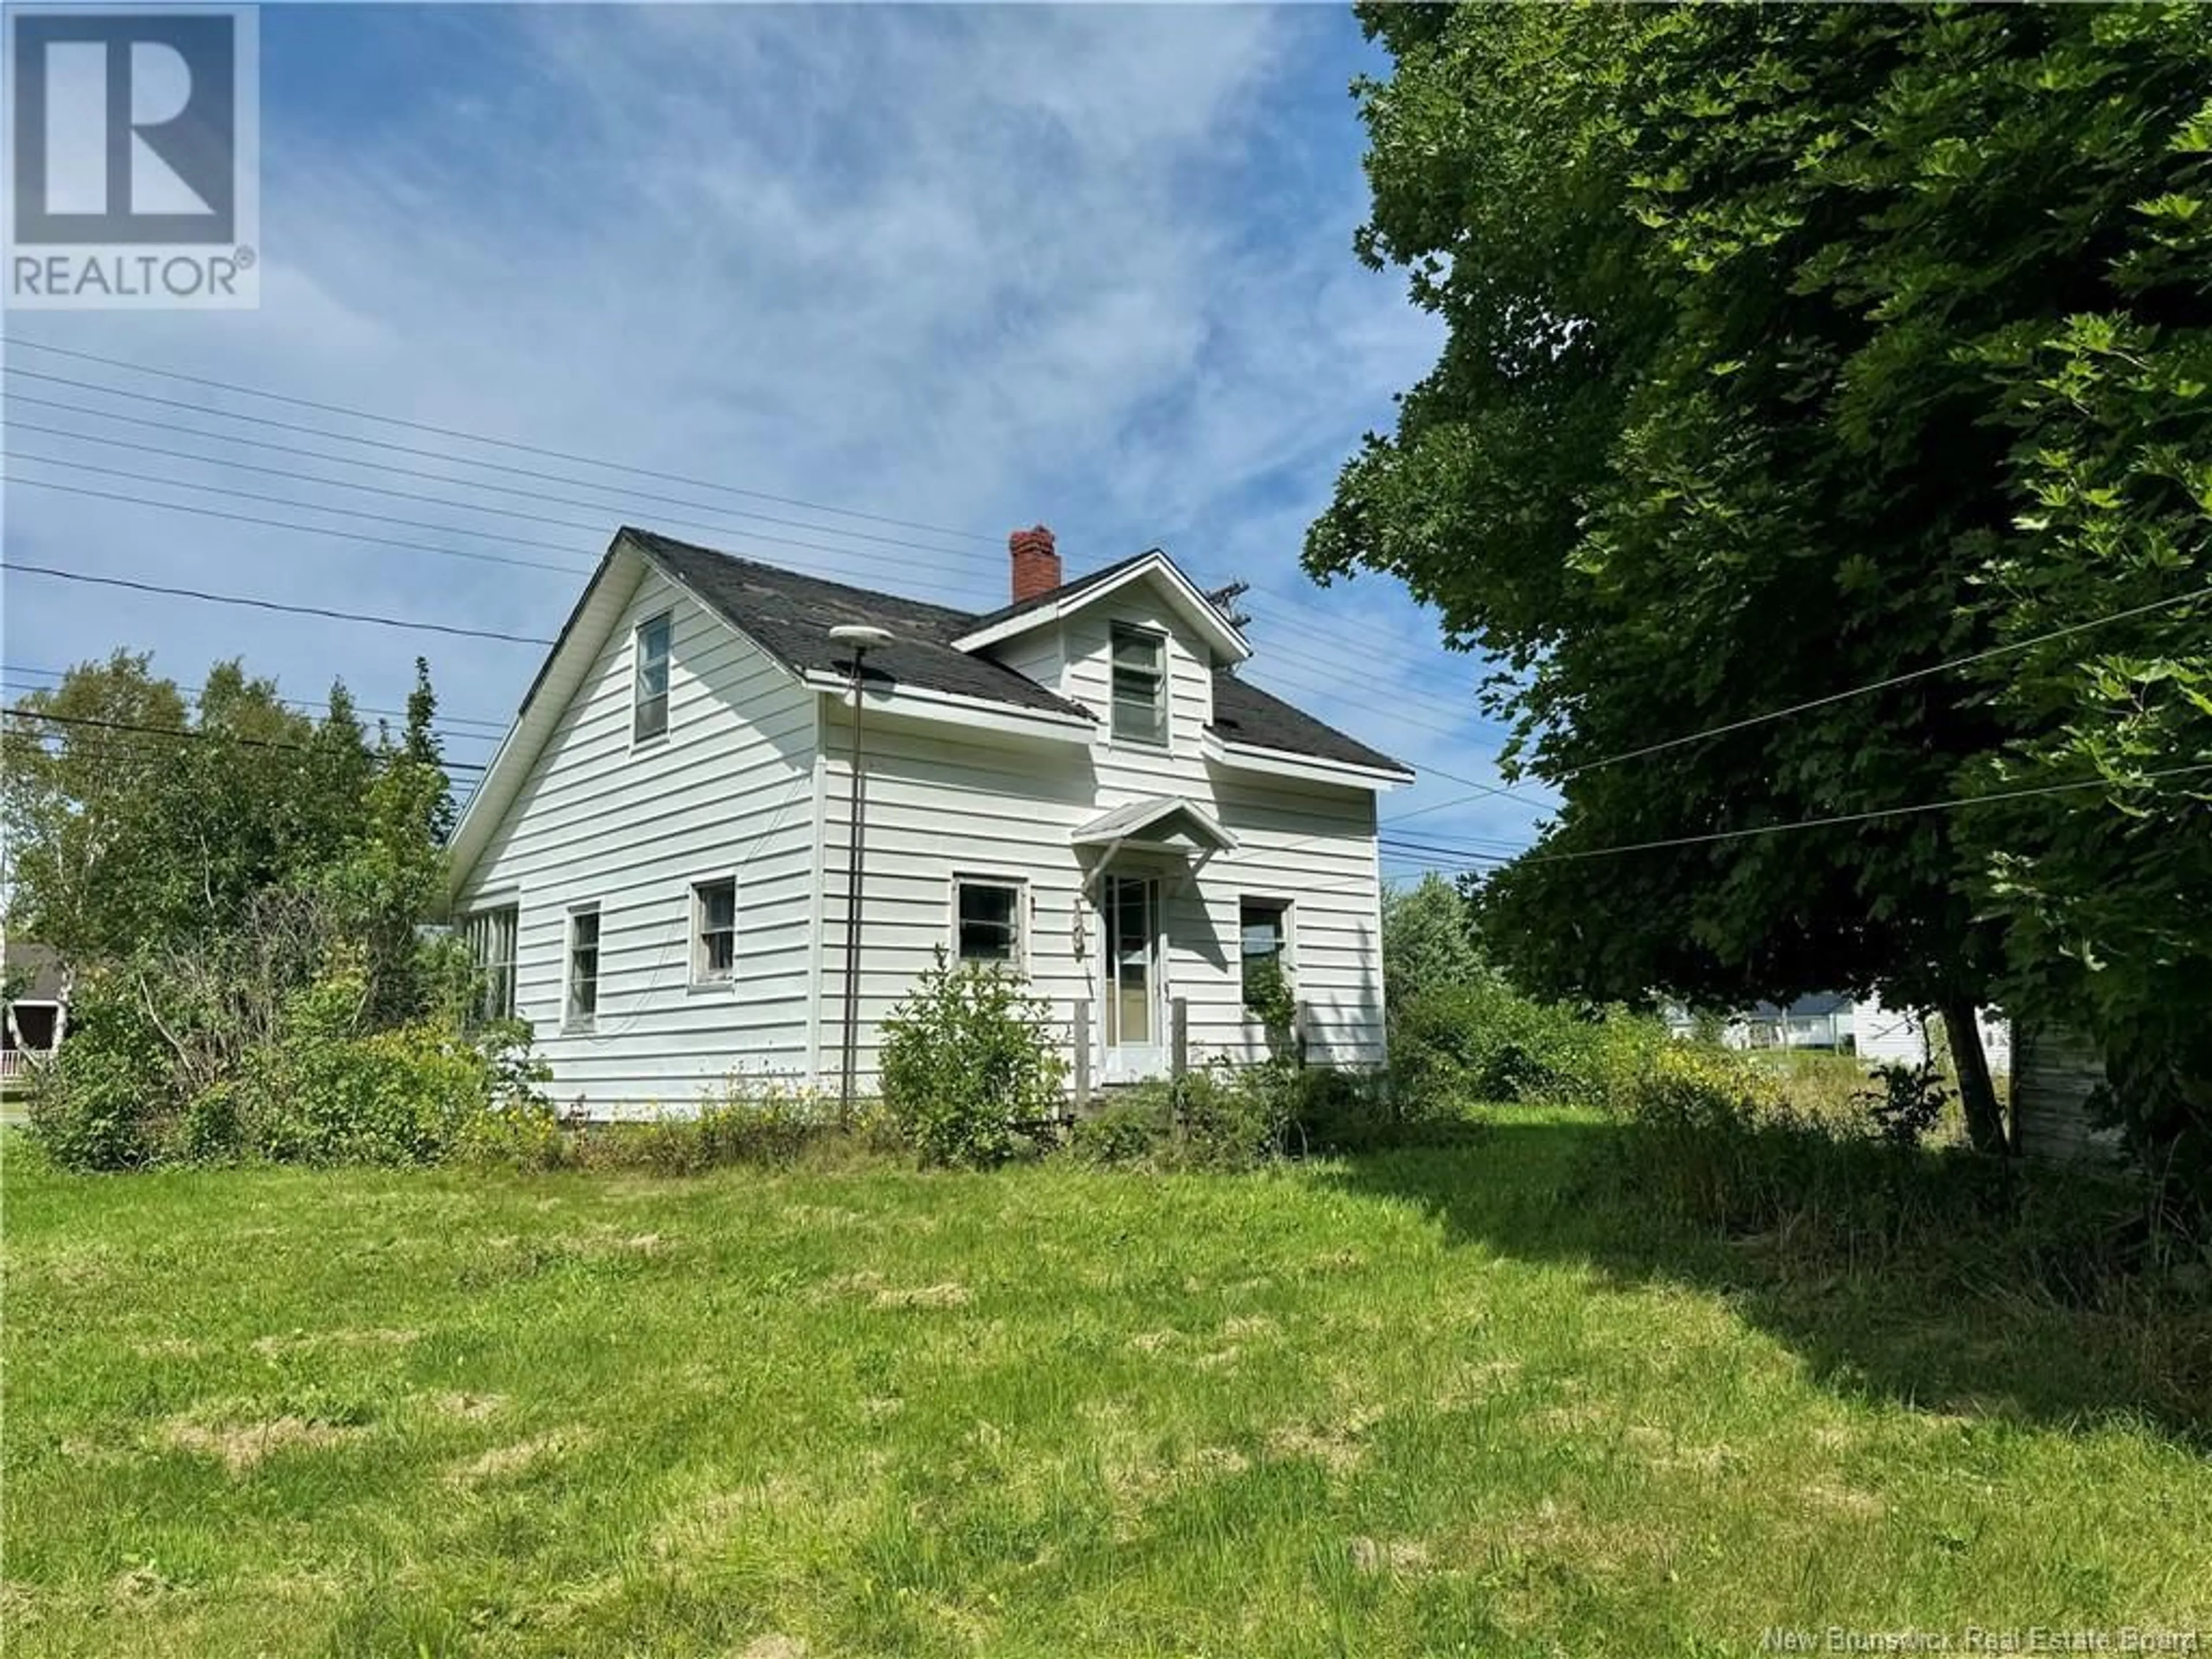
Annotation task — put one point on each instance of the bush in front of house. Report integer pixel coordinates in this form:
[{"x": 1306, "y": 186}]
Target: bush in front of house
[
  {"x": 177, "y": 1062},
  {"x": 970, "y": 1060},
  {"x": 1222, "y": 1118}
]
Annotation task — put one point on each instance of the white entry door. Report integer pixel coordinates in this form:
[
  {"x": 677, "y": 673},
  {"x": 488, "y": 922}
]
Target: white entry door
[{"x": 1136, "y": 1043}]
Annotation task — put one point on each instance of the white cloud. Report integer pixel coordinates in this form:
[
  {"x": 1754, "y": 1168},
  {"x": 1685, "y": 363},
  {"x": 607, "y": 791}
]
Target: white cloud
[{"x": 969, "y": 267}]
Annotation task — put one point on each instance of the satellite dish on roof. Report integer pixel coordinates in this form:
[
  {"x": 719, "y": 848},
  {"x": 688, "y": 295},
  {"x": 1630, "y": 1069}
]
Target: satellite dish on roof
[{"x": 861, "y": 636}]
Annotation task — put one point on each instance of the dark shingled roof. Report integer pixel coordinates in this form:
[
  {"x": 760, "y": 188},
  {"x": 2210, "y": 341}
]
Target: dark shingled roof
[
  {"x": 1245, "y": 714},
  {"x": 791, "y": 615},
  {"x": 1818, "y": 1005}
]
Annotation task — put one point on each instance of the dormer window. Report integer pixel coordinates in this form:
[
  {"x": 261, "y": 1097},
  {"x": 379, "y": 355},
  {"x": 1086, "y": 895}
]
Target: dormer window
[
  {"x": 649, "y": 707},
  {"x": 1140, "y": 686}
]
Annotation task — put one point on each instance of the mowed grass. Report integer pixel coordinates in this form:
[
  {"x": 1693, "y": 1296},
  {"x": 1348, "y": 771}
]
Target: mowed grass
[{"x": 1420, "y": 1404}]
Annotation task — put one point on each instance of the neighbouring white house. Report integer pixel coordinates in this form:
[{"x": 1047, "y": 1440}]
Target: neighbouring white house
[
  {"x": 1886, "y": 1035},
  {"x": 655, "y": 871},
  {"x": 1860, "y": 1026},
  {"x": 35, "y": 1012}
]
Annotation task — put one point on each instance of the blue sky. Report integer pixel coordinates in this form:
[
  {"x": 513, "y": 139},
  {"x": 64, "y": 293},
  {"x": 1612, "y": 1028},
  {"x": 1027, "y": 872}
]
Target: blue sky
[{"x": 970, "y": 268}]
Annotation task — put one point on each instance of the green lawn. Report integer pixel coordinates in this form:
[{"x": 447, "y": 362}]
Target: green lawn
[{"x": 1417, "y": 1404}]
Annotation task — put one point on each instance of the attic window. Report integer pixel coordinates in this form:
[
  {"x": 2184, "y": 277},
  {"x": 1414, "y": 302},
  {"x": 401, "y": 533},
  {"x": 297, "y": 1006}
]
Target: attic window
[
  {"x": 1139, "y": 687},
  {"x": 649, "y": 707}
]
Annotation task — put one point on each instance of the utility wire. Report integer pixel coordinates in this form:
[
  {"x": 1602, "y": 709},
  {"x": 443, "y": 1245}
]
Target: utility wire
[
  {"x": 195, "y": 733},
  {"x": 480, "y": 438},
  {"x": 279, "y": 524},
  {"x": 1852, "y": 818},
  {"x": 272, "y": 604},
  {"x": 1334, "y": 626},
  {"x": 25, "y": 679},
  {"x": 1481, "y": 789},
  {"x": 720, "y": 527},
  {"x": 2007, "y": 649},
  {"x": 1419, "y": 853}
]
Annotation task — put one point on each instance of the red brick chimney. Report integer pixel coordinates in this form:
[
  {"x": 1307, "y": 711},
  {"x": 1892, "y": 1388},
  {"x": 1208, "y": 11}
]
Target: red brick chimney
[{"x": 1036, "y": 563}]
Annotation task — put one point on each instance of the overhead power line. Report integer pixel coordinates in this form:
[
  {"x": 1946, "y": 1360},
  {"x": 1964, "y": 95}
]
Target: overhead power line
[
  {"x": 1418, "y": 854},
  {"x": 721, "y": 527},
  {"x": 25, "y": 678},
  {"x": 367, "y": 538},
  {"x": 1334, "y": 626},
  {"x": 1280, "y": 660},
  {"x": 272, "y": 604},
  {"x": 280, "y": 524},
  {"x": 511, "y": 444},
  {"x": 139, "y": 728},
  {"x": 1833, "y": 819},
  {"x": 2007, "y": 649}
]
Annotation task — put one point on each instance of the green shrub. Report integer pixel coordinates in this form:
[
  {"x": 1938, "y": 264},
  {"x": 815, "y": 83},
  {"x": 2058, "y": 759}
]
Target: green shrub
[
  {"x": 313, "y": 1089},
  {"x": 519, "y": 1131},
  {"x": 99, "y": 1106},
  {"x": 1481, "y": 1039},
  {"x": 1128, "y": 1131},
  {"x": 1711, "y": 1139},
  {"x": 968, "y": 1060},
  {"x": 1907, "y": 1101}
]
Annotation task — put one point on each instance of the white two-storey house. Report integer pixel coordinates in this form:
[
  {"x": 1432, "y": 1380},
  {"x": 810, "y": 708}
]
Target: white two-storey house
[{"x": 656, "y": 867}]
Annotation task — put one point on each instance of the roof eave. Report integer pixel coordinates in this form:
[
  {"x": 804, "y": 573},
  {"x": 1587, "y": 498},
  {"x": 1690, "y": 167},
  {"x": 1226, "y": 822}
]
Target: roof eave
[
  {"x": 1322, "y": 769},
  {"x": 922, "y": 703}
]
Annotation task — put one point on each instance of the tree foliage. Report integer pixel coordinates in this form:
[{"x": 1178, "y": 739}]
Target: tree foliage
[
  {"x": 1792, "y": 350},
  {"x": 1428, "y": 941},
  {"x": 237, "y": 893}
]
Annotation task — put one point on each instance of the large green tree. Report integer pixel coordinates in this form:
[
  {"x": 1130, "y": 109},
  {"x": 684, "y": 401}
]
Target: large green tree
[
  {"x": 138, "y": 820},
  {"x": 1791, "y": 350}
]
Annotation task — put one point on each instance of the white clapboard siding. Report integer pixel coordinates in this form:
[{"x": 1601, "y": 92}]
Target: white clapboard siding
[
  {"x": 1885, "y": 1036},
  {"x": 943, "y": 801},
  {"x": 729, "y": 792},
  {"x": 754, "y": 779}
]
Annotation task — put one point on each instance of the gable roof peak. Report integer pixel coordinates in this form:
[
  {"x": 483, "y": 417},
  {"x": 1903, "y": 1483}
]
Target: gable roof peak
[{"x": 1070, "y": 597}]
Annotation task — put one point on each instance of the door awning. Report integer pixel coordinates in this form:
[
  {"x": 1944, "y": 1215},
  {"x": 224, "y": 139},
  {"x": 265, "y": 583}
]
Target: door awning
[
  {"x": 1157, "y": 828},
  {"x": 1161, "y": 822}
]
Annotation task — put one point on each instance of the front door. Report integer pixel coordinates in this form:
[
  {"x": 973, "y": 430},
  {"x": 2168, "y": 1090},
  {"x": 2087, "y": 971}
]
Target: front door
[{"x": 1136, "y": 1046}]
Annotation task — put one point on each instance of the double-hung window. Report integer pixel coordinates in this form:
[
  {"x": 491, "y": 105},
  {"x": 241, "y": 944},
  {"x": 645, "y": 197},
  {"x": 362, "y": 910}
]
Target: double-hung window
[
  {"x": 1140, "y": 686},
  {"x": 987, "y": 920},
  {"x": 583, "y": 1005},
  {"x": 490, "y": 936},
  {"x": 649, "y": 706},
  {"x": 1263, "y": 929},
  {"x": 714, "y": 930}
]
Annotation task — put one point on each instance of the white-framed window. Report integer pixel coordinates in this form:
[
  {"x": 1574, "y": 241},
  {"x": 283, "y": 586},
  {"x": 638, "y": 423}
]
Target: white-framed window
[
  {"x": 1140, "y": 685},
  {"x": 987, "y": 920},
  {"x": 583, "y": 1004},
  {"x": 649, "y": 704},
  {"x": 714, "y": 930},
  {"x": 490, "y": 934},
  {"x": 1263, "y": 936}
]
